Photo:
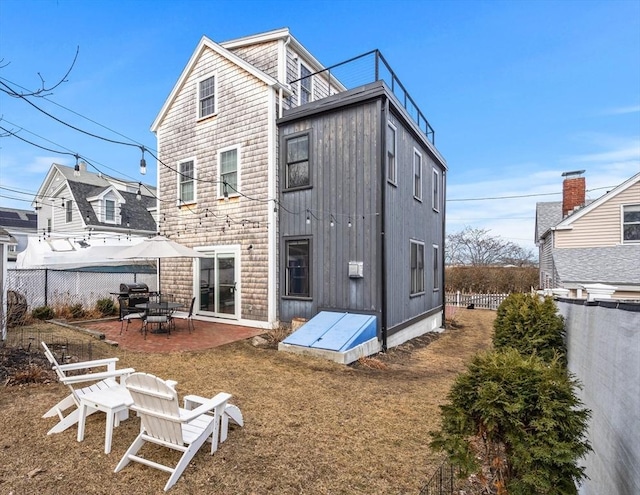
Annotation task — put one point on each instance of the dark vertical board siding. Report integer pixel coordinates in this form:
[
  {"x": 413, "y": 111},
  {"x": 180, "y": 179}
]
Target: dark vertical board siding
[{"x": 344, "y": 151}]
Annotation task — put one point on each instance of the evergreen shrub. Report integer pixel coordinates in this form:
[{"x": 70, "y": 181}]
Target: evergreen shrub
[
  {"x": 520, "y": 416},
  {"x": 531, "y": 325}
]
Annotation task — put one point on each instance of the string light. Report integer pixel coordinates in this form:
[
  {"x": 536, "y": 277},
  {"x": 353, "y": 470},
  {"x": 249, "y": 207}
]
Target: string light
[
  {"x": 139, "y": 193},
  {"x": 76, "y": 169},
  {"x": 332, "y": 222},
  {"x": 349, "y": 223},
  {"x": 143, "y": 163},
  {"x": 308, "y": 217}
]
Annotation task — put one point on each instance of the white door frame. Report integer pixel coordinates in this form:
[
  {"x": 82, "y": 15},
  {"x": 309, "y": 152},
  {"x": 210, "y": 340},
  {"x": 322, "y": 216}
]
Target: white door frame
[{"x": 214, "y": 252}]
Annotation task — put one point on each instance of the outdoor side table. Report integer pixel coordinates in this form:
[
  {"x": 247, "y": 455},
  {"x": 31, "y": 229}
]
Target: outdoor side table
[{"x": 114, "y": 402}]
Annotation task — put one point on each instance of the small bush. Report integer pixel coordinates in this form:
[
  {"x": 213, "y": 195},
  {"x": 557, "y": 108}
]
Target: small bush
[
  {"x": 530, "y": 325},
  {"x": 77, "y": 311},
  {"x": 106, "y": 306},
  {"x": 43, "y": 313}
]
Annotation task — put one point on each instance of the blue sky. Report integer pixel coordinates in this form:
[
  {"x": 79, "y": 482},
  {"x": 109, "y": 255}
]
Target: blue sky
[{"x": 517, "y": 92}]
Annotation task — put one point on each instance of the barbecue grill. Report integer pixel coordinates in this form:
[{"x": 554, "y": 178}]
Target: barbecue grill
[{"x": 130, "y": 295}]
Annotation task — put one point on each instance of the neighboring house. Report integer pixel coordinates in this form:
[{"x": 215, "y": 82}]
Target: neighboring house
[
  {"x": 5, "y": 241},
  {"x": 582, "y": 243},
  {"x": 75, "y": 202},
  {"x": 19, "y": 224},
  {"x": 303, "y": 194}
]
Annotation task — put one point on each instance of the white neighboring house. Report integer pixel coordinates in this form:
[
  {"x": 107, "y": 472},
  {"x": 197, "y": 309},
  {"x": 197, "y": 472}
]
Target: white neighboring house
[
  {"x": 76, "y": 203},
  {"x": 582, "y": 243},
  {"x": 19, "y": 224},
  {"x": 5, "y": 240}
]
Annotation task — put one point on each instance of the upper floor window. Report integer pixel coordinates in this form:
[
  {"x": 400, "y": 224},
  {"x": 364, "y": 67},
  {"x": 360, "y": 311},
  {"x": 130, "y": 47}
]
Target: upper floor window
[
  {"x": 298, "y": 280},
  {"x": 417, "y": 175},
  {"x": 435, "y": 196},
  {"x": 186, "y": 182},
  {"x": 207, "y": 97},
  {"x": 305, "y": 84},
  {"x": 229, "y": 168},
  {"x": 297, "y": 172},
  {"x": 392, "y": 167},
  {"x": 69, "y": 211},
  {"x": 631, "y": 223},
  {"x": 109, "y": 210},
  {"x": 417, "y": 267}
]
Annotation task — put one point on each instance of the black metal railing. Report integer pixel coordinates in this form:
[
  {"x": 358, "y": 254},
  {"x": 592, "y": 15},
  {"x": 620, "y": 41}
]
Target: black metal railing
[
  {"x": 443, "y": 481},
  {"x": 357, "y": 71}
]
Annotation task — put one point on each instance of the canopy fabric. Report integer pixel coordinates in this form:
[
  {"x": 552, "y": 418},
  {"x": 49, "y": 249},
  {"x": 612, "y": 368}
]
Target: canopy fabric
[
  {"x": 68, "y": 254},
  {"x": 158, "y": 247}
]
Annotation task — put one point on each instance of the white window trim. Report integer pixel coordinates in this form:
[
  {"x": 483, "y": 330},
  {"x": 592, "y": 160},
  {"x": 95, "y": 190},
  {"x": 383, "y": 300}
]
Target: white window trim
[
  {"x": 231, "y": 192},
  {"x": 215, "y": 95},
  {"x": 416, "y": 153},
  {"x": 393, "y": 180},
  {"x": 418, "y": 293},
  {"x": 435, "y": 193},
  {"x": 104, "y": 210},
  {"x": 311, "y": 89},
  {"x": 622, "y": 239},
  {"x": 179, "y": 201},
  {"x": 68, "y": 211}
]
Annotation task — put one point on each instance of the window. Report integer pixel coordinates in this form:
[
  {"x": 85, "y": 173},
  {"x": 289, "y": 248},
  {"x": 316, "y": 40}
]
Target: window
[
  {"x": 207, "y": 97},
  {"x": 436, "y": 267},
  {"x": 435, "y": 196},
  {"x": 69, "y": 210},
  {"x": 109, "y": 210},
  {"x": 186, "y": 183},
  {"x": 417, "y": 267},
  {"x": 631, "y": 223},
  {"x": 297, "y": 274},
  {"x": 417, "y": 175},
  {"x": 297, "y": 165},
  {"x": 305, "y": 85},
  {"x": 391, "y": 153},
  {"x": 228, "y": 160}
]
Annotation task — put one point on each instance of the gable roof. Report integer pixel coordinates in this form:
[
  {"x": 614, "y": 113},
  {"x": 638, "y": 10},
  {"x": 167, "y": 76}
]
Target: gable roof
[
  {"x": 282, "y": 34},
  {"x": 89, "y": 178},
  {"x": 602, "y": 199},
  {"x": 548, "y": 214},
  {"x": 207, "y": 44},
  {"x": 584, "y": 265},
  {"x": 134, "y": 210}
]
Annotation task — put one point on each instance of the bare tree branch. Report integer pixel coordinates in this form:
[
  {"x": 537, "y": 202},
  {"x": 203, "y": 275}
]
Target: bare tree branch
[
  {"x": 478, "y": 247},
  {"x": 43, "y": 90}
]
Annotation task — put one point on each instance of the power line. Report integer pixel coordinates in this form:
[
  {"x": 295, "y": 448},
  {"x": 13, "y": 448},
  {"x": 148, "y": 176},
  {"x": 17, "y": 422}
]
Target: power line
[{"x": 521, "y": 195}]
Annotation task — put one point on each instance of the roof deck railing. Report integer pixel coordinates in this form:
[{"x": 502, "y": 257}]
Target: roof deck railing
[{"x": 357, "y": 71}]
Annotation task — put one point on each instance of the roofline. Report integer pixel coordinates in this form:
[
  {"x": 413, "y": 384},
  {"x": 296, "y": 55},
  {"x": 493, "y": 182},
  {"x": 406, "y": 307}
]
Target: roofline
[
  {"x": 275, "y": 35},
  {"x": 566, "y": 223},
  {"x": 204, "y": 43}
]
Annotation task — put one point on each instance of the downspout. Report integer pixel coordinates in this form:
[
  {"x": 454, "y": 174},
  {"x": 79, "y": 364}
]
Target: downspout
[
  {"x": 282, "y": 69},
  {"x": 383, "y": 255}
]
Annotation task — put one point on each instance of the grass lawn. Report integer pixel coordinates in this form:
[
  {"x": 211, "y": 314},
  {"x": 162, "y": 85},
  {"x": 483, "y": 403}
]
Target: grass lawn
[{"x": 311, "y": 426}]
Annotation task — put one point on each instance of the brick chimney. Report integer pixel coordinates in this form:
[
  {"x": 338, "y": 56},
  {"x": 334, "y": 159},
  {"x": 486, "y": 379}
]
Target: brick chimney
[{"x": 573, "y": 191}]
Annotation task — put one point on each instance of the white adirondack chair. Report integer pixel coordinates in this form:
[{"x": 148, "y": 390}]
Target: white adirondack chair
[
  {"x": 99, "y": 381},
  {"x": 164, "y": 423}
]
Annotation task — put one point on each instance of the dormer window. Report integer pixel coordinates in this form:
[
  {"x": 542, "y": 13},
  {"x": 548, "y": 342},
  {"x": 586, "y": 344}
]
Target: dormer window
[{"x": 109, "y": 210}]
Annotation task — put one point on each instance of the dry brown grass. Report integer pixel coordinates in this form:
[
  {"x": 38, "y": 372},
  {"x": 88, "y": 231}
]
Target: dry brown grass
[{"x": 311, "y": 426}]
